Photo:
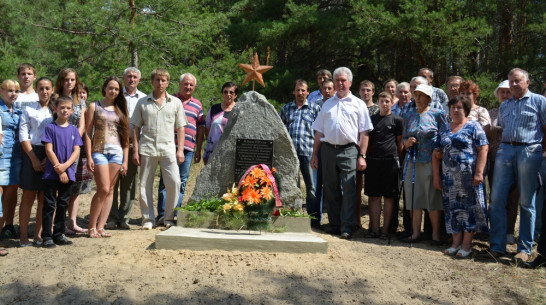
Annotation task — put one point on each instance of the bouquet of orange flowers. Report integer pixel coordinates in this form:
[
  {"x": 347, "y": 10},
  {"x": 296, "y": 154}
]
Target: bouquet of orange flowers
[
  {"x": 258, "y": 194},
  {"x": 256, "y": 187}
]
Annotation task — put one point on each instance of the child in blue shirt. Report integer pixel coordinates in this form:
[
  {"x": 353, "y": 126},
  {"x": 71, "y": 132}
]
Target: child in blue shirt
[{"x": 62, "y": 142}]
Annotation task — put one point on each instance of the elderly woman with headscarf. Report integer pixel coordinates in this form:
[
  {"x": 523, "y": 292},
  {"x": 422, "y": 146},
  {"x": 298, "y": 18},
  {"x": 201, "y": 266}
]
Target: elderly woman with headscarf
[{"x": 420, "y": 138}]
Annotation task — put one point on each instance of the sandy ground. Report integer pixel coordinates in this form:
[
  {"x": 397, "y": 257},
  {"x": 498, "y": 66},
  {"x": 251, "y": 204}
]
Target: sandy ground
[{"x": 128, "y": 269}]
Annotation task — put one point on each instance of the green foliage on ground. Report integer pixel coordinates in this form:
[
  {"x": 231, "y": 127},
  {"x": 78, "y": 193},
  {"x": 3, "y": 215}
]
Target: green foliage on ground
[{"x": 208, "y": 204}]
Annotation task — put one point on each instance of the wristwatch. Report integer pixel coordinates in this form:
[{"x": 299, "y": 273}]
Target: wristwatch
[{"x": 362, "y": 155}]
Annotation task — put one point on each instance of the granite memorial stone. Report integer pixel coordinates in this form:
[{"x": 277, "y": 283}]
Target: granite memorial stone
[{"x": 253, "y": 117}]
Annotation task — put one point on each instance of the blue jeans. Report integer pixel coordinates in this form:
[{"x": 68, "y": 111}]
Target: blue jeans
[
  {"x": 316, "y": 208},
  {"x": 184, "y": 170},
  {"x": 309, "y": 180},
  {"x": 541, "y": 196},
  {"x": 522, "y": 162}
]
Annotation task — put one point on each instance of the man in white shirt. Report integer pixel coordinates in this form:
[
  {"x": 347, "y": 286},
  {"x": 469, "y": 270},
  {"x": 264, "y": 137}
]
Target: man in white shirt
[
  {"x": 126, "y": 186},
  {"x": 26, "y": 73},
  {"x": 341, "y": 135}
]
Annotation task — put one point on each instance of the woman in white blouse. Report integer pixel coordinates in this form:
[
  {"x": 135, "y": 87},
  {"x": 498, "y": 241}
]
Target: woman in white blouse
[{"x": 31, "y": 127}]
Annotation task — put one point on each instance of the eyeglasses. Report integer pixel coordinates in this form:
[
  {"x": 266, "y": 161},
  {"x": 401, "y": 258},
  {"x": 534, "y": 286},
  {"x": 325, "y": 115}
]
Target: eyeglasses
[
  {"x": 455, "y": 86},
  {"x": 228, "y": 92}
]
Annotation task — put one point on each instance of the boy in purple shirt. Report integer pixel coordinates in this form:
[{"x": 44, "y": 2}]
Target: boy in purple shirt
[{"x": 62, "y": 142}]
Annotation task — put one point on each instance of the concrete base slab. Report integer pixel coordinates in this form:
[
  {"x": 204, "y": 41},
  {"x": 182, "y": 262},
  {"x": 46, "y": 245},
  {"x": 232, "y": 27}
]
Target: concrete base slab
[{"x": 176, "y": 238}]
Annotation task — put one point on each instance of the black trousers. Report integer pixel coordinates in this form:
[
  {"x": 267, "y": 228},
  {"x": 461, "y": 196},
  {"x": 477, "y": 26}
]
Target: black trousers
[{"x": 56, "y": 197}]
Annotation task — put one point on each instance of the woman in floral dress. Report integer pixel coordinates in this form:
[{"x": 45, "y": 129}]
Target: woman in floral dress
[{"x": 464, "y": 146}]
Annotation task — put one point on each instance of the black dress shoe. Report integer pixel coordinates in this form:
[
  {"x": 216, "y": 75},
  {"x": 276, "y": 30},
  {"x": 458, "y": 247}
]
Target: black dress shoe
[
  {"x": 332, "y": 231},
  {"x": 317, "y": 226},
  {"x": 540, "y": 261},
  {"x": 436, "y": 243},
  {"x": 346, "y": 235},
  {"x": 63, "y": 241},
  {"x": 410, "y": 240}
]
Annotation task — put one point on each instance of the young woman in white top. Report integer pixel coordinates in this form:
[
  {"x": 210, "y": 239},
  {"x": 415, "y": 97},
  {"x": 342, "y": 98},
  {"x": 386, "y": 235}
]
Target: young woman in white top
[{"x": 35, "y": 118}]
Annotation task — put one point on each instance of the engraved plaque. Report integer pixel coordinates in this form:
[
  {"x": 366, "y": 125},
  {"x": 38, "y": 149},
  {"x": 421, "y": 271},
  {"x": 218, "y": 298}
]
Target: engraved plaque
[{"x": 250, "y": 152}]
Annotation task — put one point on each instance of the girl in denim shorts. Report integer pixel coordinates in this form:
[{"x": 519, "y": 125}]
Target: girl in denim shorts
[{"x": 107, "y": 146}]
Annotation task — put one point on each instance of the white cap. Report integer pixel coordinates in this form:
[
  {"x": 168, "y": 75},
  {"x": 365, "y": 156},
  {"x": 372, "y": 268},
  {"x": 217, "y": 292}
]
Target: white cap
[
  {"x": 426, "y": 89},
  {"x": 503, "y": 84}
]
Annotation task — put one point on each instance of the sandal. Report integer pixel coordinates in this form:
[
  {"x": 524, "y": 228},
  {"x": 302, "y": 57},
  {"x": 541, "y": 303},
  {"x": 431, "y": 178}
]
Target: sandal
[
  {"x": 93, "y": 233},
  {"x": 452, "y": 251},
  {"x": 461, "y": 254},
  {"x": 3, "y": 252},
  {"x": 103, "y": 233},
  {"x": 384, "y": 236}
]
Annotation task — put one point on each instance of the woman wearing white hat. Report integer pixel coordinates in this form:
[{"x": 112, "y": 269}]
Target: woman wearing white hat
[
  {"x": 494, "y": 135},
  {"x": 420, "y": 138}
]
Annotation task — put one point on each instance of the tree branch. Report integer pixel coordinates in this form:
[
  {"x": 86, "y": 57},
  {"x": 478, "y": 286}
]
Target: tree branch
[{"x": 65, "y": 30}]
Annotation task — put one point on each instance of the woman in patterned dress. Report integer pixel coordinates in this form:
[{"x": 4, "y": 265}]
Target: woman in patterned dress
[{"x": 464, "y": 154}]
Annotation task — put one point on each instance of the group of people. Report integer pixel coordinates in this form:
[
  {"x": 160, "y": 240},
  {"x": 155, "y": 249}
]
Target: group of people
[
  {"x": 54, "y": 142},
  {"x": 429, "y": 148},
  {"x": 441, "y": 146}
]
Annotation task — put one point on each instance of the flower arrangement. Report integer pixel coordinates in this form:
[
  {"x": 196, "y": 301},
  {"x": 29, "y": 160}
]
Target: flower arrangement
[
  {"x": 257, "y": 193},
  {"x": 231, "y": 201},
  {"x": 257, "y": 187}
]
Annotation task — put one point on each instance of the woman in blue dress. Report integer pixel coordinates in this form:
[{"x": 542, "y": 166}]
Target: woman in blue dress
[{"x": 464, "y": 154}]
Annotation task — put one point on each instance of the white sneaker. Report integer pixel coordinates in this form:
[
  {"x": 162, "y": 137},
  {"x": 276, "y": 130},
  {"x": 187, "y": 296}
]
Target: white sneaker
[
  {"x": 147, "y": 225},
  {"x": 168, "y": 224},
  {"x": 510, "y": 239}
]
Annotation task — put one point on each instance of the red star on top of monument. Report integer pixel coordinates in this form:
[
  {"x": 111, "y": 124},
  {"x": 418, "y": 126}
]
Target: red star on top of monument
[{"x": 254, "y": 71}]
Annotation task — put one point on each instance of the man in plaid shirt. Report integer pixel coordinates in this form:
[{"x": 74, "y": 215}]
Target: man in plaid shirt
[{"x": 298, "y": 116}]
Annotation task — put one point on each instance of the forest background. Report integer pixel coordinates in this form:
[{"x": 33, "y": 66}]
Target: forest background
[{"x": 377, "y": 40}]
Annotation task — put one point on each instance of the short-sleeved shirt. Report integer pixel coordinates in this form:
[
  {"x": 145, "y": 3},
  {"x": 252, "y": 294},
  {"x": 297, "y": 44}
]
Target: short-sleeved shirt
[
  {"x": 216, "y": 121},
  {"x": 383, "y": 137},
  {"x": 298, "y": 122},
  {"x": 373, "y": 109},
  {"x": 194, "y": 114},
  {"x": 132, "y": 100},
  {"x": 522, "y": 119},
  {"x": 24, "y": 100},
  {"x": 33, "y": 123},
  {"x": 157, "y": 124},
  {"x": 481, "y": 115},
  {"x": 441, "y": 97},
  {"x": 425, "y": 127},
  {"x": 315, "y": 96},
  {"x": 10, "y": 131},
  {"x": 411, "y": 106},
  {"x": 341, "y": 120},
  {"x": 63, "y": 139}
]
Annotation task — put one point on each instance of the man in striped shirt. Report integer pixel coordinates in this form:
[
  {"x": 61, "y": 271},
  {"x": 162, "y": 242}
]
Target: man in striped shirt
[
  {"x": 194, "y": 132},
  {"x": 523, "y": 119}
]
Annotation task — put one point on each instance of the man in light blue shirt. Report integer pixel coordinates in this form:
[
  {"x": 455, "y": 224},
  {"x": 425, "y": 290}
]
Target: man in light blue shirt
[{"x": 523, "y": 119}]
